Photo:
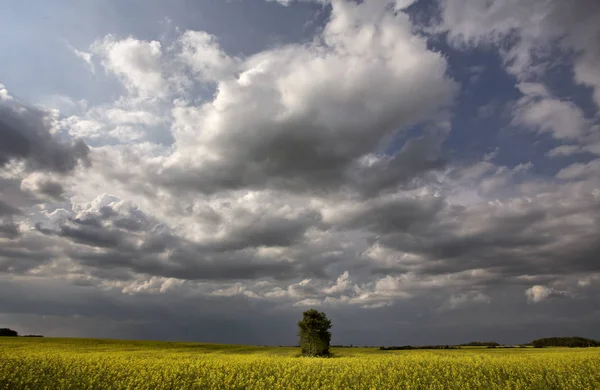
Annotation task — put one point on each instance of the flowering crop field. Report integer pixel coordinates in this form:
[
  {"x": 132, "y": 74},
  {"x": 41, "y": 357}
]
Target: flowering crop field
[{"x": 46, "y": 363}]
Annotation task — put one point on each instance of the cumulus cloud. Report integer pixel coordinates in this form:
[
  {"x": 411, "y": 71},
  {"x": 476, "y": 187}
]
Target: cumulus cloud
[
  {"x": 537, "y": 109},
  {"x": 201, "y": 52},
  {"x": 535, "y": 26},
  {"x": 313, "y": 174},
  {"x": 301, "y": 116},
  {"x": 579, "y": 170},
  {"x": 26, "y": 134},
  {"x": 137, "y": 63},
  {"x": 124, "y": 121},
  {"x": 532, "y": 37},
  {"x": 34, "y": 164},
  {"x": 4, "y": 95},
  {"x": 108, "y": 233},
  {"x": 538, "y": 293},
  {"x": 43, "y": 185},
  {"x": 342, "y": 284}
]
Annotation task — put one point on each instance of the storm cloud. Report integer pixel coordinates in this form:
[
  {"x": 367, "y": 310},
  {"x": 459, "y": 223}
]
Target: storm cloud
[
  {"x": 25, "y": 134},
  {"x": 219, "y": 190}
]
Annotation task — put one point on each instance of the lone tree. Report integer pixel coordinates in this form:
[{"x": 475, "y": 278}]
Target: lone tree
[
  {"x": 314, "y": 333},
  {"x": 8, "y": 332}
]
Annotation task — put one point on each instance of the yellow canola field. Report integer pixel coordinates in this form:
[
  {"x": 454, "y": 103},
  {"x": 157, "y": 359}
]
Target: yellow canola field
[{"x": 104, "y": 364}]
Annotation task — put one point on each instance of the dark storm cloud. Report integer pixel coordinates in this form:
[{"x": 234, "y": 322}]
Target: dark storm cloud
[
  {"x": 395, "y": 215},
  {"x": 296, "y": 169},
  {"x": 267, "y": 231},
  {"x": 188, "y": 264},
  {"x": 546, "y": 236},
  {"x": 23, "y": 252},
  {"x": 314, "y": 174},
  {"x": 51, "y": 189},
  {"x": 9, "y": 229},
  {"x": 61, "y": 309},
  {"x": 75, "y": 309},
  {"x": 6, "y": 209},
  {"x": 130, "y": 240},
  {"x": 91, "y": 236},
  {"x": 408, "y": 167},
  {"x": 25, "y": 135}
]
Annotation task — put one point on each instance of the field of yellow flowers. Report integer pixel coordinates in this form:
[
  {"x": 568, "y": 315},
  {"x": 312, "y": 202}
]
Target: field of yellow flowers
[{"x": 109, "y": 364}]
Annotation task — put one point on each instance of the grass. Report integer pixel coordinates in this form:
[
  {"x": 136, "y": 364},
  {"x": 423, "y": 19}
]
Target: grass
[{"x": 49, "y": 363}]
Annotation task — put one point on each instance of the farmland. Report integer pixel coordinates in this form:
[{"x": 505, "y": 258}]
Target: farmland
[{"x": 111, "y": 364}]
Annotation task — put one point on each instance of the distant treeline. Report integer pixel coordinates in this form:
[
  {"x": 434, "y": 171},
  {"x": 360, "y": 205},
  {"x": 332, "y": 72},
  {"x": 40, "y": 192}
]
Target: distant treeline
[
  {"x": 481, "y": 344},
  {"x": 572, "y": 342},
  {"x": 6, "y": 332},
  {"x": 489, "y": 344},
  {"x": 404, "y": 347}
]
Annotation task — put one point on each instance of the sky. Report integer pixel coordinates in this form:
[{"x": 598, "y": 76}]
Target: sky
[{"x": 423, "y": 171}]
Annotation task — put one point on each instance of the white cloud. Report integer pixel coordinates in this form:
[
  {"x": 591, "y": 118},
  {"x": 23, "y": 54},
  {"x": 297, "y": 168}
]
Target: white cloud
[
  {"x": 154, "y": 285},
  {"x": 564, "y": 150},
  {"x": 236, "y": 289},
  {"x": 120, "y": 116},
  {"x": 43, "y": 185},
  {"x": 137, "y": 63},
  {"x": 580, "y": 170},
  {"x": 323, "y": 104},
  {"x": 85, "y": 57},
  {"x": 125, "y": 120},
  {"x": 201, "y": 52},
  {"x": 533, "y": 27},
  {"x": 342, "y": 284},
  {"x": 538, "y": 293},
  {"x": 588, "y": 281},
  {"x": 468, "y": 298},
  {"x": 4, "y": 95},
  {"x": 309, "y": 302},
  {"x": 537, "y": 109}
]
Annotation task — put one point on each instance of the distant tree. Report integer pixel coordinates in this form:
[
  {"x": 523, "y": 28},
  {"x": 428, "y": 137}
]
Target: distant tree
[
  {"x": 314, "y": 333},
  {"x": 8, "y": 332},
  {"x": 409, "y": 347},
  {"x": 573, "y": 342},
  {"x": 481, "y": 344}
]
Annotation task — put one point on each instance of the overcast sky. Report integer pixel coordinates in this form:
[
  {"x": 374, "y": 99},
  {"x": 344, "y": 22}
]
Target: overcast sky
[{"x": 423, "y": 171}]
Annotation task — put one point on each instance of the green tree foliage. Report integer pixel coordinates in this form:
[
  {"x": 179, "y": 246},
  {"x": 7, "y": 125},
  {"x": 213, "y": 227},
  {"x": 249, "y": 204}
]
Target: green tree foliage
[
  {"x": 314, "y": 333},
  {"x": 8, "y": 332},
  {"x": 573, "y": 342}
]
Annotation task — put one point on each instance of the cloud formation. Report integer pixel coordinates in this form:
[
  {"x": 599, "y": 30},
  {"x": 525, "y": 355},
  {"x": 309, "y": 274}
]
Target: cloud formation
[
  {"x": 312, "y": 113},
  {"x": 537, "y": 293},
  {"x": 332, "y": 172},
  {"x": 27, "y": 134}
]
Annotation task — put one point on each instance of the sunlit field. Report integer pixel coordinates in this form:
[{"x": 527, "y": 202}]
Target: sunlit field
[{"x": 47, "y": 363}]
